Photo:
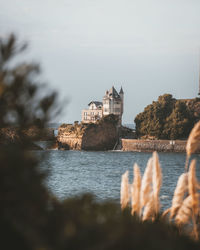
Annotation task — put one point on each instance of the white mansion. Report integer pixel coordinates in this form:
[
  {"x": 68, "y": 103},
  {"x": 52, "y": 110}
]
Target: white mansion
[{"x": 113, "y": 103}]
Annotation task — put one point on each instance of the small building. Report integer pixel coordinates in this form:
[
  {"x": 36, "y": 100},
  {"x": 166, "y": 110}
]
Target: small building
[
  {"x": 93, "y": 113},
  {"x": 113, "y": 103}
]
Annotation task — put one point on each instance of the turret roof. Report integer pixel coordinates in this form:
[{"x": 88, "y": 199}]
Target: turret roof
[
  {"x": 113, "y": 92},
  {"x": 121, "y": 91}
]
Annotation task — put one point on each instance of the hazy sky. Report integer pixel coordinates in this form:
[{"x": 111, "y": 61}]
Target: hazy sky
[{"x": 150, "y": 47}]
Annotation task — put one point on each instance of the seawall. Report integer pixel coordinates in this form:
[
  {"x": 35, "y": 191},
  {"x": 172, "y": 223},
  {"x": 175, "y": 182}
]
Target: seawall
[{"x": 154, "y": 145}]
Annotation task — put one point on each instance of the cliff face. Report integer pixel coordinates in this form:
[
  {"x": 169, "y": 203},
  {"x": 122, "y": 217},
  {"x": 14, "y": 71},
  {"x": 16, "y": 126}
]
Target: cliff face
[
  {"x": 70, "y": 141},
  {"x": 99, "y": 136}
]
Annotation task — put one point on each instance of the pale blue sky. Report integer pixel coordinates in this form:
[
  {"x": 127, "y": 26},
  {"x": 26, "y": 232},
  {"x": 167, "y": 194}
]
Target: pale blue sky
[{"x": 150, "y": 47}]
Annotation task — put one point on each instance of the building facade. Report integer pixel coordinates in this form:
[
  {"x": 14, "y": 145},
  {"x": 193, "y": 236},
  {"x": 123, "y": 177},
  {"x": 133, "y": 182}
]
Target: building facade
[
  {"x": 94, "y": 113},
  {"x": 113, "y": 103}
]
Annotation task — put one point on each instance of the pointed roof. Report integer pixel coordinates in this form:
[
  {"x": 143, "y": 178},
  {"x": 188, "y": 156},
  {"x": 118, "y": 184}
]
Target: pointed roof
[
  {"x": 121, "y": 91},
  {"x": 97, "y": 103},
  {"x": 113, "y": 92}
]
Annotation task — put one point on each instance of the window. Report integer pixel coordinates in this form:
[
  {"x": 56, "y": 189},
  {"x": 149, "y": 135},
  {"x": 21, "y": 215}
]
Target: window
[{"x": 117, "y": 109}]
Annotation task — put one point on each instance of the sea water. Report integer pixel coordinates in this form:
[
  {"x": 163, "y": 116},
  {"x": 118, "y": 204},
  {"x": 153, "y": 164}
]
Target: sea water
[{"x": 72, "y": 173}]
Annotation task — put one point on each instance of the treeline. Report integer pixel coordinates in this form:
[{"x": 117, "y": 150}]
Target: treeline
[{"x": 168, "y": 118}]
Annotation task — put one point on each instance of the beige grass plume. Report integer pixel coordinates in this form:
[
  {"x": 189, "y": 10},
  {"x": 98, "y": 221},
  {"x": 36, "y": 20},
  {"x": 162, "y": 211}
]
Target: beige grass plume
[
  {"x": 184, "y": 213},
  {"x": 135, "y": 204},
  {"x": 157, "y": 181},
  {"x": 181, "y": 188},
  {"x": 192, "y": 186},
  {"x": 124, "y": 194},
  {"x": 146, "y": 186},
  {"x": 193, "y": 142},
  {"x": 149, "y": 212}
]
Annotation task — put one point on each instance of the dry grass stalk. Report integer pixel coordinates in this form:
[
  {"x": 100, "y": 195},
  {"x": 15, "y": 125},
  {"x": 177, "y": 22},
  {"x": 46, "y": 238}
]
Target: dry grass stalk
[
  {"x": 166, "y": 212},
  {"x": 184, "y": 213},
  {"x": 181, "y": 188},
  {"x": 149, "y": 211},
  {"x": 146, "y": 186},
  {"x": 192, "y": 183},
  {"x": 193, "y": 142},
  {"x": 124, "y": 194},
  {"x": 136, "y": 191},
  {"x": 157, "y": 181}
]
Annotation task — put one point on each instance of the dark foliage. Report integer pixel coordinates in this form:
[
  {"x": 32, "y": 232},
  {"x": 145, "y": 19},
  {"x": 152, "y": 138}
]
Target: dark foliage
[
  {"x": 25, "y": 201},
  {"x": 168, "y": 118},
  {"x": 30, "y": 217},
  {"x": 82, "y": 223},
  {"x": 22, "y": 103}
]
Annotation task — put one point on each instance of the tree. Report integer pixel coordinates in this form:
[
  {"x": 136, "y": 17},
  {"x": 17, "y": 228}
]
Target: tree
[
  {"x": 168, "y": 118},
  {"x": 178, "y": 123}
]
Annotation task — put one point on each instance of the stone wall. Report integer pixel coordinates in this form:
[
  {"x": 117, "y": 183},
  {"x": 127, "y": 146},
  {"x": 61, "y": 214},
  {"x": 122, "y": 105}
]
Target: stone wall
[{"x": 154, "y": 145}]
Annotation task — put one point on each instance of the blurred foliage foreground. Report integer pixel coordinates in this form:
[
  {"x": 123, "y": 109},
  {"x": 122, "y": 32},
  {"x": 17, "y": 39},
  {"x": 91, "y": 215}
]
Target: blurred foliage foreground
[{"x": 30, "y": 217}]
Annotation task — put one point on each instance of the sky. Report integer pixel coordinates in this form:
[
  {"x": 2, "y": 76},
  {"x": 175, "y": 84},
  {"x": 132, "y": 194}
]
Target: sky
[{"x": 84, "y": 47}]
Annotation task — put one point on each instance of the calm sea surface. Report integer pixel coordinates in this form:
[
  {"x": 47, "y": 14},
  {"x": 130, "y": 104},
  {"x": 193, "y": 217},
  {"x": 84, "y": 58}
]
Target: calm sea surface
[{"x": 74, "y": 172}]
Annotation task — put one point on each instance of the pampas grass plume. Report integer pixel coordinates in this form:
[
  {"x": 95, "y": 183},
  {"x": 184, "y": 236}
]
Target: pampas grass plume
[
  {"x": 146, "y": 186},
  {"x": 192, "y": 183},
  {"x": 157, "y": 181},
  {"x": 149, "y": 209},
  {"x": 124, "y": 194},
  {"x": 184, "y": 213},
  {"x": 136, "y": 191},
  {"x": 181, "y": 188},
  {"x": 193, "y": 140}
]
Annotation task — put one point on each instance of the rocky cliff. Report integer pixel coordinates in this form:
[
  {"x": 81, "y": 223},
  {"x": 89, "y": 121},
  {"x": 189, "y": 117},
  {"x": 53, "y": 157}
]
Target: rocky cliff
[{"x": 99, "y": 136}]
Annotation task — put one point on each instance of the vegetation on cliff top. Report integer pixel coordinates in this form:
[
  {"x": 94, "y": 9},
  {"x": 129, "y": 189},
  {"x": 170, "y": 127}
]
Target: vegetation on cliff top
[
  {"x": 79, "y": 129},
  {"x": 168, "y": 118}
]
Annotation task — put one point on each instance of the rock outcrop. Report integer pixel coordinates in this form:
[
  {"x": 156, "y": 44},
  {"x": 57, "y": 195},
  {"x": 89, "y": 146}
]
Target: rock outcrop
[{"x": 94, "y": 136}]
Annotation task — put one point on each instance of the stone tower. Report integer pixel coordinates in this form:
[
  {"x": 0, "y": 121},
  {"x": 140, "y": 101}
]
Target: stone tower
[
  {"x": 113, "y": 103},
  {"x": 121, "y": 93}
]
